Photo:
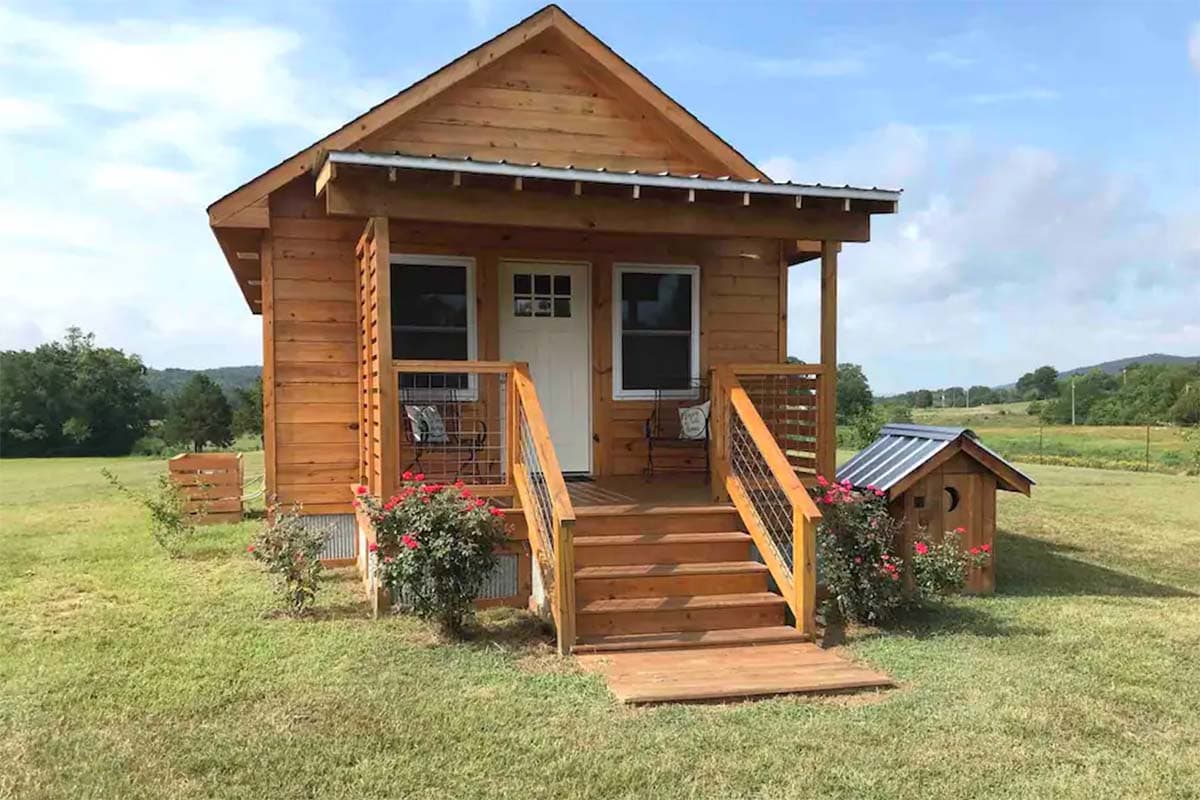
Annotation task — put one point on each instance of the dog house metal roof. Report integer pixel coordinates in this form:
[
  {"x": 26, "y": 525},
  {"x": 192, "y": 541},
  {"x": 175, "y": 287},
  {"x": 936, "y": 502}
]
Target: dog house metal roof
[{"x": 901, "y": 449}]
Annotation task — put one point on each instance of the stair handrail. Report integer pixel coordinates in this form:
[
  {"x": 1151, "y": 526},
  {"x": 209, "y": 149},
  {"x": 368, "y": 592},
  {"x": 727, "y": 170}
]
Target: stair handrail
[
  {"x": 756, "y": 474},
  {"x": 549, "y": 514}
]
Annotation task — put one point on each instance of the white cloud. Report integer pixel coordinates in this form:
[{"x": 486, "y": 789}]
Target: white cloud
[
  {"x": 999, "y": 258},
  {"x": 25, "y": 113},
  {"x": 110, "y": 232},
  {"x": 1194, "y": 47},
  {"x": 1034, "y": 93}
]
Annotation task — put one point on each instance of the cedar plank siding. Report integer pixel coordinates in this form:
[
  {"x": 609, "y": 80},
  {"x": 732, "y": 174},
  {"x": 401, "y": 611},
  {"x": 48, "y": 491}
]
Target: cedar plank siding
[
  {"x": 312, "y": 354},
  {"x": 539, "y": 104},
  {"x": 312, "y": 319}
]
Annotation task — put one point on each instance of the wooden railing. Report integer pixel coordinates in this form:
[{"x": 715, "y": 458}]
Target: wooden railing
[
  {"x": 543, "y": 496},
  {"x": 767, "y": 493},
  {"x": 789, "y": 399}
]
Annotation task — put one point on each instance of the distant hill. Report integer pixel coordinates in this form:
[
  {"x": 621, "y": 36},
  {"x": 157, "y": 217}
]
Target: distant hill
[
  {"x": 170, "y": 380},
  {"x": 1115, "y": 366}
]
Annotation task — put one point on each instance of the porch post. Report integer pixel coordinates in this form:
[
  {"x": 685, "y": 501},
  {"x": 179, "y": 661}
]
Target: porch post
[
  {"x": 389, "y": 401},
  {"x": 827, "y": 403}
]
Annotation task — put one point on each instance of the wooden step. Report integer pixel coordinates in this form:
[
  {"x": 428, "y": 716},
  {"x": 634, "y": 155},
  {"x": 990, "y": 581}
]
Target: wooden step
[
  {"x": 682, "y": 613},
  {"x": 609, "y": 520},
  {"x": 676, "y": 640},
  {"x": 665, "y": 580},
  {"x": 719, "y": 673},
  {"x": 661, "y": 548}
]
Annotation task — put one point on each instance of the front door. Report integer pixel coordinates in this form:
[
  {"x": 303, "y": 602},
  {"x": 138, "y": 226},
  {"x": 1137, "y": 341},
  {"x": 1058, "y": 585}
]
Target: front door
[{"x": 544, "y": 320}]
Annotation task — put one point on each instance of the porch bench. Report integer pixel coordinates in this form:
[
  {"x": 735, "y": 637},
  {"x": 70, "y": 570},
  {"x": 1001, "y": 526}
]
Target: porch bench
[{"x": 679, "y": 425}]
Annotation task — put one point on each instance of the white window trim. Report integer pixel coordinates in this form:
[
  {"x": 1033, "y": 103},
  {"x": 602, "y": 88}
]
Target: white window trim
[
  {"x": 620, "y": 269},
  {"x": 471, "y": 393}
]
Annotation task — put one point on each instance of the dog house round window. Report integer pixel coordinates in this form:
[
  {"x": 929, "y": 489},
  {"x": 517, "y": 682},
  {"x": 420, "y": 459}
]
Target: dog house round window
[{"x": 951, "y": 498}]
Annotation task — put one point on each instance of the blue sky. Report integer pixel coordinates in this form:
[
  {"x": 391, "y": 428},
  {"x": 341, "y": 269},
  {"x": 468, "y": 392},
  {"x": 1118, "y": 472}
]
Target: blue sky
[{"x": 1049, "y": 153}]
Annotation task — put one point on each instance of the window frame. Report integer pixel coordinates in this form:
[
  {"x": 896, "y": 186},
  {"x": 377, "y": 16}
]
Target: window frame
[
  {"x": 621, "y": 269},
  {"x": 471, "y": 391}
]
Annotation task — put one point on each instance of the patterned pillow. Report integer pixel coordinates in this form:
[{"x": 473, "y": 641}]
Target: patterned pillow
[
  {"x": 693, "y": 421},
  {"x": 427, "y": 424}
]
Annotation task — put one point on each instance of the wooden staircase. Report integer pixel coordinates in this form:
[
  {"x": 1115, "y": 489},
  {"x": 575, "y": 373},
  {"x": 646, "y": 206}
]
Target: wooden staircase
[{"x": 670, "y": 578}]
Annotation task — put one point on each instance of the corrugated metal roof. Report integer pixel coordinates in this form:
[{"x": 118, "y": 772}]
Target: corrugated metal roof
[
  {"x": 900, "y": 450},
  {"x": 601, "y": 175}
]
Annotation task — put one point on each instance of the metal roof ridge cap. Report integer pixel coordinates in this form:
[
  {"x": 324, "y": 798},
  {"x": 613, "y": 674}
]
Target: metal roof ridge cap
[{"x": 438, "y": 163}]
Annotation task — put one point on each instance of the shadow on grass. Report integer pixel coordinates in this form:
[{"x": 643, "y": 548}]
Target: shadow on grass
[
  {"x": 510, "y": 629},
  {"x": 938, "y": 619},
  {"x": 1031, "y": 567}
]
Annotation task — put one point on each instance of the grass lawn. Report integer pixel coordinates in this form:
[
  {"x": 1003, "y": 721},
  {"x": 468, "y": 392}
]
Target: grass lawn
[{"x": 124, "y": 674}]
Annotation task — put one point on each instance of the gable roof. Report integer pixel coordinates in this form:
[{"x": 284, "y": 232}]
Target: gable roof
[
  {"x": 232, "y": 209},
  {"x": 903, "y": 453}
]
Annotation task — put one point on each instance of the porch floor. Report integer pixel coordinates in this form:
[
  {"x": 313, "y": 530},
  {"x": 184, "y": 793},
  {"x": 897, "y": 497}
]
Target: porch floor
[
  {"x": 618, "y": 493},
  {"x": 727, "y": 673}
]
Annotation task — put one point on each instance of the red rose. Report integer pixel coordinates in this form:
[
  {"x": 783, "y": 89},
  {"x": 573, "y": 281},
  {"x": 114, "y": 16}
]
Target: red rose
[
  {"x": 480, "y": 503},
  {"x": 974, "y": 551},
  {"x": 821, "y": 481},
  {"x": 407, "y": 475},
  {"x": 459, "y": 484},
  {"x": 960, "y": 530},
  {"x": 372, "y": 547},
  {"x": 250, "y": 549},
  {"x": 409, "y": 542},
  {"x": 879, "y": 493},
  {"x": 360, "y": 490},
  {"x": 495, "y": 512},
  {"x": 466, "y": 494},
  {"x": 987, "y": 548},
  {"x": 921, "y": 548},
  {"x": 420, "y": 476},
  {"x": 858, "y": 559}
]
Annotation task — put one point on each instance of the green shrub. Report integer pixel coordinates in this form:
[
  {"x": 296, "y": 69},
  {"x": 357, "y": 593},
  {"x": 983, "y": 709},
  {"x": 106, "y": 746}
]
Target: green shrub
[
  {"x": 170, "y": 524},
  {"x": 435, "y": 546},
  {"x": 150, "y": 446},
  {"x": 290, "y": 551}
]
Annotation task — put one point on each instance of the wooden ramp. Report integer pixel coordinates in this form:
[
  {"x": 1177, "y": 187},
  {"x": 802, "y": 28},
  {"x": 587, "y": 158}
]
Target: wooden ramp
[{"x": 720, "y": 673}]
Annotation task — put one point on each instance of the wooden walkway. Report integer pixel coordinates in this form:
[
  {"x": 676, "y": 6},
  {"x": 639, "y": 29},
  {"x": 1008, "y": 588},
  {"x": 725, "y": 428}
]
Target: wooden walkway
[{"x": 727, "y": 673}]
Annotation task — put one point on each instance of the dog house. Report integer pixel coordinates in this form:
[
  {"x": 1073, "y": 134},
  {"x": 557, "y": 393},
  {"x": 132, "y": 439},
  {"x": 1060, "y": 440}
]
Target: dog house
[{"x": 939, "y": 479}]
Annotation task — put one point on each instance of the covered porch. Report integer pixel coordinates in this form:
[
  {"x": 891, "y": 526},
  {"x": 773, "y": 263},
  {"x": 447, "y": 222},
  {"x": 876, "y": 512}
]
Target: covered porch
[{"x": 524, "y": 330}]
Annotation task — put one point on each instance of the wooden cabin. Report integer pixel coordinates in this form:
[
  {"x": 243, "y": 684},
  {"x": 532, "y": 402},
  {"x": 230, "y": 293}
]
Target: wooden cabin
[
  {"x": 503, "y": 274},
  {"x": 939, "y": 479}
]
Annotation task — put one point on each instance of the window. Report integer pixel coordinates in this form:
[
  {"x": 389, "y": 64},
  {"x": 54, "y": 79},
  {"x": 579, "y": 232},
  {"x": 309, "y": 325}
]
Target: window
[
  {"x": 541, "y": 295},
  {"x": 656, "y": 330},
  {"x": 433, "y": 313}
]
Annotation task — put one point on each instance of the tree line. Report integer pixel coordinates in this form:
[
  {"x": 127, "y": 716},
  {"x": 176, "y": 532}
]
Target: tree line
[
  {"x": 1141, "y": 394},
  {"x": 74, "y": 398}
]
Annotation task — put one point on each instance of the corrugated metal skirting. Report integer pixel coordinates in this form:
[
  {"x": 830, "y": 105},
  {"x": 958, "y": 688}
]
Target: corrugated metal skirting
[
  {"x": 339, "y": 541},
  {"x": 340, "y": 544}
]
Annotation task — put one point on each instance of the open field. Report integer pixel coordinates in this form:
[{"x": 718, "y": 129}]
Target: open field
[
  {"x": 124, "y": 674},
  {"x": 1015, "y": 434}
]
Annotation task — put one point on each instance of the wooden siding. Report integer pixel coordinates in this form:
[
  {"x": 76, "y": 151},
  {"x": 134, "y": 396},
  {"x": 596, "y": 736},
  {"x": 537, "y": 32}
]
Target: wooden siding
[
  {"x": 311, "y": 375},
  {"x": 540, "y": 103}
]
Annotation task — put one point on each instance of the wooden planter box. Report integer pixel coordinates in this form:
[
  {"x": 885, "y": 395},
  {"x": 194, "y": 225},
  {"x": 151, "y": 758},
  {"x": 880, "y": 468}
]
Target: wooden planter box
[{"x": 211, "y": 484}]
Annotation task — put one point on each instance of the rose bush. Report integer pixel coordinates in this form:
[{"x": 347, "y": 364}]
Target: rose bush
[
  {"x": 290, "y": 551},
  {"x": 940, "y": 566},
  {"x": 435, "y": 546},
  {"x": 856, "y": 542}
]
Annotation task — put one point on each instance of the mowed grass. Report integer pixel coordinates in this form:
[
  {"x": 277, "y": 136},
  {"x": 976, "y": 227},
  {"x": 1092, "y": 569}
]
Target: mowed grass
[
  {"x": 1015, "y": 434},
  {"x": 125, "y": 674}
]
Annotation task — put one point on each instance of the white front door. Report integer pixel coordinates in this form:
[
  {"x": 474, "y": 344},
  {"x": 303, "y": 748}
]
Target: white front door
[{"x": 545, "y": 316}]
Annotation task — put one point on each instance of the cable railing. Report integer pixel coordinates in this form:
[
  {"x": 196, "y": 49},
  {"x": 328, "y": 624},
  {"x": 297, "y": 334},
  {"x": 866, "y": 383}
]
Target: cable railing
[{"x": 767, "y": 493}]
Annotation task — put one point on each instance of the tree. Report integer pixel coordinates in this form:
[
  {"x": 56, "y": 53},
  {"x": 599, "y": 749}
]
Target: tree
[
  {"x": 72, "y": 398},
  {"x": 248, "y": 410},
  {"x": 200, "y": 414},
  {"x": 853, "y": 392},
  {"x": 955, "y": 396},
  {"x": 981, "y": 395},
  {"x": 922, "y": 398},
  {"x": 1042, "y": 383},
  {"x": 1186, "y": 410}
]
